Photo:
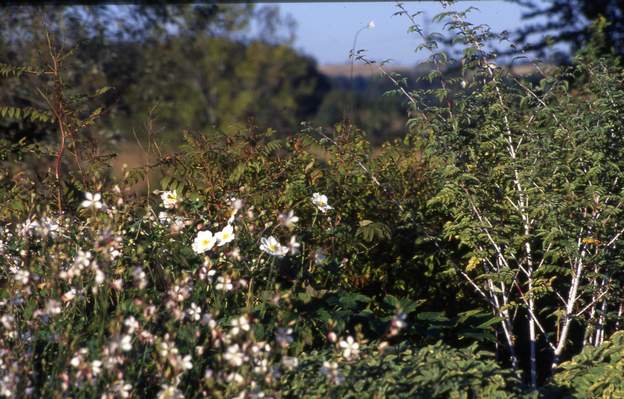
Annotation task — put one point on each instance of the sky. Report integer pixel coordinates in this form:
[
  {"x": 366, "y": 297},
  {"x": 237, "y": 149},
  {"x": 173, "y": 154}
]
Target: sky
[{"x": 326, "y": 30}]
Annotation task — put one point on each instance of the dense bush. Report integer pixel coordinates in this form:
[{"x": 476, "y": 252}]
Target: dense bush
[
  {"x": 434, "y": 371},
  {"x": 597, "y": 372}
]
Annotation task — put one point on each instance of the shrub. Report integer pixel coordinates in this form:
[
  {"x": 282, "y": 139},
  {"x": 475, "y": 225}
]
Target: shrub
[
  {"x": 596, "y": 372},
  {"x": 404, "y": 371}
]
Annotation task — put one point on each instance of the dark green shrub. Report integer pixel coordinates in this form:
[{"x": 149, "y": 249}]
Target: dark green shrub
[{"x": 435, "y": 371}]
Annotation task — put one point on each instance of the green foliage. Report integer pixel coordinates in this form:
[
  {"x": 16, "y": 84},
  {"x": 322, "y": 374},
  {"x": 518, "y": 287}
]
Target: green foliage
[
  {"x": 597, "y": 372},
  {"x": 435, "y": 371},
  {"x": 505, "y": 187}
]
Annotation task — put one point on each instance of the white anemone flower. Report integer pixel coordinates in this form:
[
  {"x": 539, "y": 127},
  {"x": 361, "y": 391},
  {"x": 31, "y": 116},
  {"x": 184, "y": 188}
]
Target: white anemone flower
[
  {"x": 92, "y": 201},
  {"x": 169, "y": 199},
  {"x": 226, "y": 235},
  {"x": 293, "y": 245},
  {"x": 320, "y": 201},
  {"x": 350, "y": 348},
  {"x": 170, "y": 392},
  {"x": 273, "y": 247},
  {"x": 234, "y": 355},
  {"x": 289, "y": 220},
  {"x": 204, "y": 241},
  {"x": 371, "y": 24}
]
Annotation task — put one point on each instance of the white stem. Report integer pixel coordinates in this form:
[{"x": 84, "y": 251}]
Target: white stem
[
  {"x": 532, "y": 339},
  {"x": 619, "y": 316},
  {"x": 576, "y": 279}
]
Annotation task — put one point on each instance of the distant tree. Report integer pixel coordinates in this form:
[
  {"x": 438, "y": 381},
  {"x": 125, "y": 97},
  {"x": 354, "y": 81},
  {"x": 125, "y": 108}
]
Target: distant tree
[
  {"x": 195, "y": 62},
  {"x": 569, "y": 22}
]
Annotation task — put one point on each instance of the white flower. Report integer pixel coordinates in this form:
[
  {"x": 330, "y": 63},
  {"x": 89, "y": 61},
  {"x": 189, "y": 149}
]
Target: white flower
[
  {"x": 164, "y": 217},
  {"x": 224, "y": 283},
  {"x": 371, "y": 24},
  {"x": 320, "y": 201},
  {"x": 132, "y": 324},
  {"x": 170, "y": 392},
  {"x": 273, "y": 247},
  {"x": 236, "y": 204},
  {"x": 139, "y": 276},
  {"x": 125, "y": 343},
  {"x": 75, "y": 361},
  {"x": 186, "y": 363},
  {"x": 194, "y": 312},
  {"x": 122, "y": 388},
  {"x": 53, "y": 307},
  {"x": 239, "y": 324},
  {"x": 49, "y": 226},
  {"x": 226, "y": 235},
  {"x": 99, "y": 276},
  {"x": 331, "y": 371},
  {"x": 22, "y": 276},
  {"x": 293, "y": 245},
  {"x": 165, "y": 349},
  {"x": 92, "y": 201},
  {"x": 96, "y": 367},
  {"x": 169, "y": 199},
  {"x": 204, "y": 241},
  {"x": 350, "y": 348},
  {"x": 289, "y": 220},
  {"x": 234, "y": 356},
  {"x": 69, "y": 295},
  {"x": 82, "y": 259},
  {"x": 290, "y": 362},
  {"x": 28, "y": 226}
]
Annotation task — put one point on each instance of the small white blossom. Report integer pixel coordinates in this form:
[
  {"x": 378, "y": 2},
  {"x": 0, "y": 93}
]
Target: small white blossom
[
  {"x": 293, "y": 245},
  {"x": 92, "y": 201},
  {"x": 194, "y": 312},
  {"x": 185, "y": 362},
  {"x": 289, "y": 220},
  {"x": 96, "y": 367},
  {"x": 234, "y": 356},
  {"x": 290, "y": 362},
  {"x": 122, "y": 389},
  {"x": 331, "y": 371},
  {"x": 224, "y": 236},
  {"x": 320, "y": 201},
  {"x": 164, "y": 217},
  {"x": 28, "y": 226},
  {"x": 350, "y": 348},
  {"x": 69, "y": 295},
  {"x": 22, "y": 276},
  {"x": 140, "y": 278},
  {"x": 397, "y": 323},
  {"x": 169, "y": 199},
  {"x": 273, "y": 247},
  {"x": 204, "y": 242},
  {"x": 49, "y": 227},
  {"x": 53, "y": 307},
  {"x": 131, "y": 324},
  {"x": 170, "y": 392},
  {"x": 239, "y": 324},
  {"x": 371, "y": 24},
  {"x": 235, "y": 205},
  {"x": 224, "y": 283},
  {"x": 125, "y": 343}
]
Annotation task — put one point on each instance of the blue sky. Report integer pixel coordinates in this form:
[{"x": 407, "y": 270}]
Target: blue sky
[{"x": 326, "y": 30}]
